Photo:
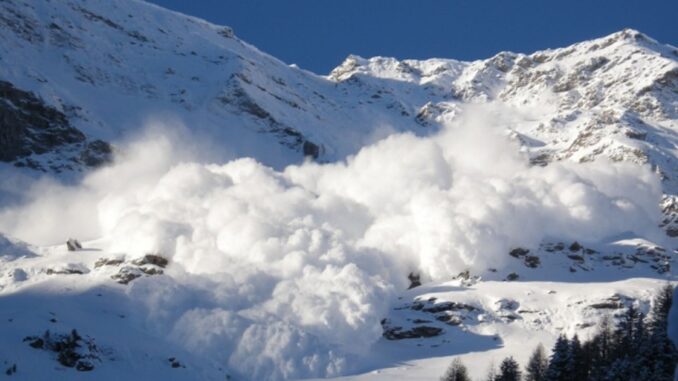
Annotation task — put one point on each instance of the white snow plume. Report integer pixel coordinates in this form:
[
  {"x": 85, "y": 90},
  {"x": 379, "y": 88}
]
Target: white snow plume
[{"x": 287, "y": 274}]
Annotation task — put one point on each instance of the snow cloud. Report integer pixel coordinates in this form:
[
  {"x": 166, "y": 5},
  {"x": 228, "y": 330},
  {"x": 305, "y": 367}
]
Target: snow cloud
[{"x": 289, "y": 273}]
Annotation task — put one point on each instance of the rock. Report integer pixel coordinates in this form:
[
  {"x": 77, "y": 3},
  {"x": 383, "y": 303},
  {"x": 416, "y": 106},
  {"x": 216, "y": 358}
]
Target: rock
[
  {"x": 126, "y": 275},
  {"x": 452, "y": 320},
  {"x": 518, "y": 252},
  {"x": 18, "y": 275},
  {"x": 398, "y": 333},
  {"x": 96, "y": 154},
  {"x": 506, "y": 305},
  {"x": 68, "y": 269},
  {"x": 512, "y": 277},
  {"x": 84, "y": 366},
  {"x": 310, "y": 149},
  {"x": 576, "y": 257},
  {"x": 148, "y": 270},
  {"x": 73, "y": 244},
  {"x": 227, "y": 32},
  {"x": 71, "y": 349},
  {"x": 509, "y": 317},
  {"x": 174, "y": 363},
  {"x": 151, "y": 259},
  {"x": 448, "y": 306},
  {"x": 532, "y": 261},
  {"x": 107, "y": 262},
  {"x": 414, "y": 280},
  {"x": 35, "y": 342},
  {"x": 614, "y": 302},
  {"x": 575, "y": 246},
  {"x": 607, "y": 305},
  {"x": 11, "y": 370},
  {"x": 29, "y": 126},
  {"x": 464, "y": 275}
]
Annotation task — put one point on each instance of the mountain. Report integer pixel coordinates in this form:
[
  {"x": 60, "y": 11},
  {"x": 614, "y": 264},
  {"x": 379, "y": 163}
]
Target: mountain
[
  {"x": 242, "y": 218},
  {"x": 80, "y": 76}
]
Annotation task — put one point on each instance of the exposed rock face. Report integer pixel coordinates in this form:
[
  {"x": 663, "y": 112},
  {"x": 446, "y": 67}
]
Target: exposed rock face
[
  {"x": 398, "y": 333},
  {"x": 612, "y": 97},
  {"x": 29, "y": 126},
  {"x": 311, "y": 150},
  {"x": 96, "y": 153}
]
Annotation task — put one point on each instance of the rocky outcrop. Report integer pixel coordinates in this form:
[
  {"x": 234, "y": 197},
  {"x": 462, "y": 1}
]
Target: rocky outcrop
[
  {"x": 29, "y": 126},
  {"x": 422, "y": 331},
  {"x": 72, "y": 350},
  {"x": 127, "y": 271}
]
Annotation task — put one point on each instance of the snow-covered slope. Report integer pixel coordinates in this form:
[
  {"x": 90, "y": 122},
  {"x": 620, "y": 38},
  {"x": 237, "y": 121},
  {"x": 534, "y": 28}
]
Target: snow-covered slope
[
  {"x": 109, "y": 66},
  {"x": 532, "y": 194},
  {"x": 78, "y": 75}
]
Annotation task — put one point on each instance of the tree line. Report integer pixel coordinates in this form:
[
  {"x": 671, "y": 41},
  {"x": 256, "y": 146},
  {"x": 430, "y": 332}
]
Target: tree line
[{"x": 634, "y": 348}]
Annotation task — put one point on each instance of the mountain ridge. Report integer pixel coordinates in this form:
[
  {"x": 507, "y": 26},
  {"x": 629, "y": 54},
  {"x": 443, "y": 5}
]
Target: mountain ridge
[{"x": 283, "y": 248}]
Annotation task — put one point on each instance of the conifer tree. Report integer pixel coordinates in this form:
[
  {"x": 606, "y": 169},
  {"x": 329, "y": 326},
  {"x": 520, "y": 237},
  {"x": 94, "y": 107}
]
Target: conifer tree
[
  {"x": 509, "y": 370},
  {"x": 491, "y": 373},
  {"x": 537, "y": 365},
  {"x": 662, "y": 352},
  {"x": 560, "y": 359},
  {"x": 577, "y": 366},
  {"x": 456, "y": 372}
]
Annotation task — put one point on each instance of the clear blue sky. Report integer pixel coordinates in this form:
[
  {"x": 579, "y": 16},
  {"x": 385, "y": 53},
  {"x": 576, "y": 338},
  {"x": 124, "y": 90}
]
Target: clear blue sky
[{"x": 318, "y": 34}]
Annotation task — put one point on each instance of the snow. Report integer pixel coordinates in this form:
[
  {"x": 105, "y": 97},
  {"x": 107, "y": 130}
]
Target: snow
[
  {"x": 288, "y": 274},
  {"x": 281, "y": 268}
]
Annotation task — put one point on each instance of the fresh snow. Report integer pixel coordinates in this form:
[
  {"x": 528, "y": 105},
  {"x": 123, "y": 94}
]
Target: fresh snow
[{"x": 281, "y": 268}]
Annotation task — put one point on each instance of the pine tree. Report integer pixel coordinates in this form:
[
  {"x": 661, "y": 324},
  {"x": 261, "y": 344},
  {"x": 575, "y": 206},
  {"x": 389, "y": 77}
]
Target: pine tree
[
  {"x": 599, "y": 350},
  {"x": 509, "y": 370},
  {"x": 578, "y": 365},
  {"x": 662, "y": 352},
  {"x": 638, "y": 348},
  {"x": 537, "y": 365},
  {"x": 491, "y": 373},
  {"x": 605, "y": 338},
  {"x": 619, "y": 370},
  {"x": 560, "y": 358},
  {"x": 456, "y": 372},
  {"x": 625, "y": 332}
]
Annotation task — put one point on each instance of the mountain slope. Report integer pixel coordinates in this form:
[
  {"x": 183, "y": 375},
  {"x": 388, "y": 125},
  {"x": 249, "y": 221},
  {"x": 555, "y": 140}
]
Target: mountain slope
[
  {"x": 531, "y": 194},
  {"x": 101, "y": 70},
  {"x": 613, "y": 96}
]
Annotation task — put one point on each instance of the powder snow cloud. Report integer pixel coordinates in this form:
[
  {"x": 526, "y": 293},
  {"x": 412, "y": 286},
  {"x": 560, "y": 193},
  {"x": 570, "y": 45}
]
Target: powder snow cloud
[{"x": 288, "y": 273}]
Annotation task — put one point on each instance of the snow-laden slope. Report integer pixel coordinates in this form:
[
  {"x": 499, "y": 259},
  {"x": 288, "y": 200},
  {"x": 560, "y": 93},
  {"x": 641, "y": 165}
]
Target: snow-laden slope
[
  {"x": 243, "y": 270},
  {"x": 110, "y": 66},
  {"x": 167, "y": 324},
  {"x": 77, "y": 75},
  {"x": 495, "y": 182}
]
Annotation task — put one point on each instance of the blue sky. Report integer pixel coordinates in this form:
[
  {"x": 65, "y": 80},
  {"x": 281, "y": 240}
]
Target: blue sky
[{"x": 318, "y": 34}]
